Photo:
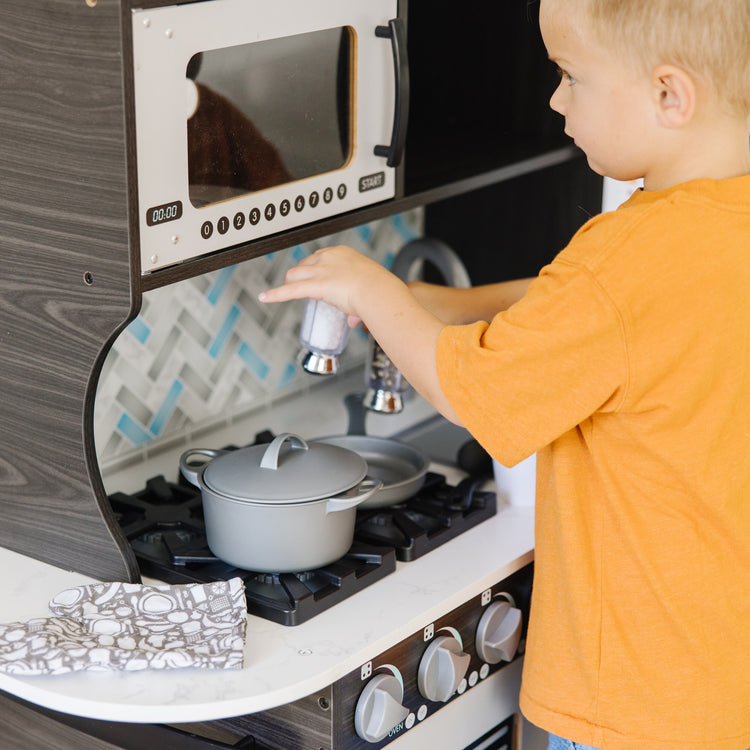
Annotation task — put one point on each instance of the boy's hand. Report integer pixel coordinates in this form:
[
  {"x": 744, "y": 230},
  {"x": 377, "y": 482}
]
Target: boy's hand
[{"x": 340, "y": 276}]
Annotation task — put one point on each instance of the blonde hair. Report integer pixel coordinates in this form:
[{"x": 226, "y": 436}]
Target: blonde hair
[{"x": 710, "y": 38}]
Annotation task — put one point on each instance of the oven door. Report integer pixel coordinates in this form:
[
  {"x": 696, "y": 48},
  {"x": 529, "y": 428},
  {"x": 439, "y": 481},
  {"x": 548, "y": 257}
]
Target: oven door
[{"x": 254, "y": 117}]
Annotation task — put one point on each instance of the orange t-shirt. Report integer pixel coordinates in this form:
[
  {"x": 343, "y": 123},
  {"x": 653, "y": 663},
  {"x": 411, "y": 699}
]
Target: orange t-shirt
[{"x": 627, "y": 367}]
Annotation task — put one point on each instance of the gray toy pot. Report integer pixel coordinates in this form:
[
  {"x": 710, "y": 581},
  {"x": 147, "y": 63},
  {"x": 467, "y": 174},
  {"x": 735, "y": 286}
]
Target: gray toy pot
[{"x": 285, "y": 507}]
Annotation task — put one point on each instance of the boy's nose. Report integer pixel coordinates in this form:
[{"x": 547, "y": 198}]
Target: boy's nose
[{"x": 557, "y": 101}]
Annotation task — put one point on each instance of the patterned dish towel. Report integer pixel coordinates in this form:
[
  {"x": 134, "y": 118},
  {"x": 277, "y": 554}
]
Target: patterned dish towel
[{"x": 128, "y": 626}]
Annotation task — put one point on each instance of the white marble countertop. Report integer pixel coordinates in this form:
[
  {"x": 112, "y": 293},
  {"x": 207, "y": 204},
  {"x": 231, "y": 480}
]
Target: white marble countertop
[{"x": 282, "y": 663}]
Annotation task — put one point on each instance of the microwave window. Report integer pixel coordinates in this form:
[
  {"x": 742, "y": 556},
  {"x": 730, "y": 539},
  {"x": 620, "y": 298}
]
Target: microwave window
[{"x": 268, "y": 113}]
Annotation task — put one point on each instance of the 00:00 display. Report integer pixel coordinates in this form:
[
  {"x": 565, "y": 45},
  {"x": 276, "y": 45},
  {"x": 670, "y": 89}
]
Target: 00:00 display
[{"x": 163, "y": 213}]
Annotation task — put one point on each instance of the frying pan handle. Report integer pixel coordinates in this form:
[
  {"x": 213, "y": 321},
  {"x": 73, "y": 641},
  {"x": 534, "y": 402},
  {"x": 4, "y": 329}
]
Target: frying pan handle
[{"x": 270, "y": 458}]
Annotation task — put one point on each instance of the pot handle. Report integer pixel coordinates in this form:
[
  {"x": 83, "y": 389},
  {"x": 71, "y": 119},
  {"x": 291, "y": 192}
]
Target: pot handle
[
  {"x": 349, "y": 499},
  {"x": 270, "y": 458},
  {"x": 192, "y": 472}
]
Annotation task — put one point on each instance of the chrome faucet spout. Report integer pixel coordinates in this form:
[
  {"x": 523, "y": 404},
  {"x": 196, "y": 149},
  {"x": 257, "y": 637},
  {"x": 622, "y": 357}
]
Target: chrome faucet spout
[
  {"x": 385, "y": 384},
  {"x": 412, "y": 256}
]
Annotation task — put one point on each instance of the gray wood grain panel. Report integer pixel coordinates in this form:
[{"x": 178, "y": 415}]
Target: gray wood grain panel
[
  {"x": 22, "y": 728},
  {"x": 307, "y": 724},
  {"x": 65, "y": 274}
]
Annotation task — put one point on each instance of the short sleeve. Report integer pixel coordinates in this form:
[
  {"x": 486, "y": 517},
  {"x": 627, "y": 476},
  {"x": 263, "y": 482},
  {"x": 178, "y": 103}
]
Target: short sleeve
[{"x": 539, "y": 368}]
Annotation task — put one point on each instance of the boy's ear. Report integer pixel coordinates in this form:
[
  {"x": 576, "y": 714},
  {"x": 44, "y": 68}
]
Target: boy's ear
[{"x": 674, "y": 95}]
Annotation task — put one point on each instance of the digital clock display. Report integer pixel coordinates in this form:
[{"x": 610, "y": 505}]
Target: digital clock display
[{"x": 165, "y": 212}]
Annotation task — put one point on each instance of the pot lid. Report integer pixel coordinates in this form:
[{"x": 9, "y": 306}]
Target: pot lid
[{"x": 287, "y": 470}]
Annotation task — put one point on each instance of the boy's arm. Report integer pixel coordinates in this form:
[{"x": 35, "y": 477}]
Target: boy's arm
[
  {"x": 460, "y": 306},
  {"x": 406, "y": 329}
]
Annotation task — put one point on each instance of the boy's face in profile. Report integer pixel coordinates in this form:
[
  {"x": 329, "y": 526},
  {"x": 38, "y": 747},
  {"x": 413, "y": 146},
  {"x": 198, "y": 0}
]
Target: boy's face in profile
[{"x": 606, "y": 105}]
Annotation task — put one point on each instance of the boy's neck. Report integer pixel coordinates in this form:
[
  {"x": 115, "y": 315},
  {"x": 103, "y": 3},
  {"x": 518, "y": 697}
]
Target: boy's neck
[{"x": 717, "y": 148}]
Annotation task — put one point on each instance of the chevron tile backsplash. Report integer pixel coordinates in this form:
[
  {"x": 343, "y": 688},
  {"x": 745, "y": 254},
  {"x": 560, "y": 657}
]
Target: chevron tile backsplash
[{"x": 205, "y": 350}]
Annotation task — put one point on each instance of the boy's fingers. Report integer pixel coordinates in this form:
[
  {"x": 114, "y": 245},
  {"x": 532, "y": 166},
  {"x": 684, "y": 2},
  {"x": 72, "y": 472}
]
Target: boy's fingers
[
  {"x": 283, "y": 293},
  {"x": 298, "y": 273}
]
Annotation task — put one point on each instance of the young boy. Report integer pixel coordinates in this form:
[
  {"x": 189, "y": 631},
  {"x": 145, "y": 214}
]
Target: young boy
[{"x": 626, "y": 366}]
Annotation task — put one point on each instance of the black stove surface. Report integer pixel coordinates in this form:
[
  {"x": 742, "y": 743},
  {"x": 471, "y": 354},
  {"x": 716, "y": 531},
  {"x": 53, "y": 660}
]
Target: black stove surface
[
  {"x": 164, "y": 525},
  {"x": 437, "y": 513}
]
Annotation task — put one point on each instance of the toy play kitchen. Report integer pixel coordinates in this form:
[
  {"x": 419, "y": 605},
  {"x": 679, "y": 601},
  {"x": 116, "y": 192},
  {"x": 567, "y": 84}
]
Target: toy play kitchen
[{"x": 147, "y": 144}]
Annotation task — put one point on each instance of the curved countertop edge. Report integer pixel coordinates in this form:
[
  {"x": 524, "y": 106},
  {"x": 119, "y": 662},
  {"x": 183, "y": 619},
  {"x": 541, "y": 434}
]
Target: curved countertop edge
[{"x": 282, "y": 663}]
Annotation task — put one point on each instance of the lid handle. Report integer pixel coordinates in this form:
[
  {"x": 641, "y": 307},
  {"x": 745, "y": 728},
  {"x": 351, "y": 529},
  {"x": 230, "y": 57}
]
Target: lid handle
[{"x": 270, "y": 458}]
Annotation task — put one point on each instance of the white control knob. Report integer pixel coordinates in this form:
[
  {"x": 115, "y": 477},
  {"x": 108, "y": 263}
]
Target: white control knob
[
  {"x": 442, "y": 668},
  {"x": 499, "y": 632},
  {"x": 379, "y": 708}
]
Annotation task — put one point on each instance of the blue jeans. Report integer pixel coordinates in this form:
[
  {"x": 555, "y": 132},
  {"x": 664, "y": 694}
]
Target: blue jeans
[{"x": 558, "y": 743}]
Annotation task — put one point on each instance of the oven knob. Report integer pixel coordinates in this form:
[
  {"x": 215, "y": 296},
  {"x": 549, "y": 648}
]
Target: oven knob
[
  {"x": 499, "y": 632},
  {"x": 442, "y": 668},
  {"x": 379, "y": 707}
]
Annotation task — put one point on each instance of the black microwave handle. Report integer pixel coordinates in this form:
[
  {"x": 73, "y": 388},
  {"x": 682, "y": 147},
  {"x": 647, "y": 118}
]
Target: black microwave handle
[{"x": 396, "y": 33}]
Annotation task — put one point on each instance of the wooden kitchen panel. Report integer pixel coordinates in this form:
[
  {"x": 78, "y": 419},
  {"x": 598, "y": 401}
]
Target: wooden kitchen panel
[
  {"x": 65, "y": 281},
  {"x": 23, "y": 727}
]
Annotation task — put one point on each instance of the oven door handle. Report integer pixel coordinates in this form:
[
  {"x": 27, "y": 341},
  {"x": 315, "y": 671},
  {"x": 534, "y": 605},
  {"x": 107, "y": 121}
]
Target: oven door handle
[{"x": 396, "y": 32}]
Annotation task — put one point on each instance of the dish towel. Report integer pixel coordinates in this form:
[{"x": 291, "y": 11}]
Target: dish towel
[{"x": 127, "y": 626}]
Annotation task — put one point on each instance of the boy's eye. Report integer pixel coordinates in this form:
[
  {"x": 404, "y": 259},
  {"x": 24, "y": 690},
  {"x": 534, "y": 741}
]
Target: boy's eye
[{"x": 565, "y": 76}]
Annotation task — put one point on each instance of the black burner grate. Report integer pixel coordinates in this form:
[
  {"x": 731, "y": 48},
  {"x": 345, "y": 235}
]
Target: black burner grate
[{"x": 437, "y": 513}]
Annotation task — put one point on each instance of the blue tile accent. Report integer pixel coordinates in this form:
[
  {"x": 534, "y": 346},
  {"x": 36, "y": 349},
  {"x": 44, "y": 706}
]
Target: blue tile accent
[
  {"x": 253, "y": 360},
  {"x": 224, "y": 332},
  {"x": 288, "y": 375},
  {"x": 298, "y": 253},
  {"x": 140, "y": 330},
  {"x": 365, "y": 231},
  {"x": 167, "y": 407},
  {"x": 402, "y": 227},
  {"x": 220, "y": 284},
  {"x": 132, "y": 430}
]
